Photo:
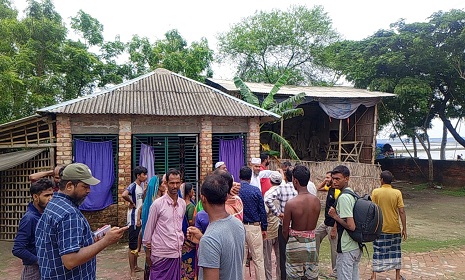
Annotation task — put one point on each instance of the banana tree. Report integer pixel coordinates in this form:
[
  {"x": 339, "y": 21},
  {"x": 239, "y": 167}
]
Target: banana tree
[{"x": 286, "y": 109}]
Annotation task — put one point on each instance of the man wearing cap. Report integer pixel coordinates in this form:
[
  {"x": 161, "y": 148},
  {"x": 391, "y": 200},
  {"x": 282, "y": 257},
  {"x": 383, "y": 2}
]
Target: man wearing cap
[
  {"x": 64, "y": 241},
  {"x": 258, "y": 173},
  {"x": 221, "y": 165},
  {"x": 271, "y": 241},
  {"x": 281, "y": 195}
]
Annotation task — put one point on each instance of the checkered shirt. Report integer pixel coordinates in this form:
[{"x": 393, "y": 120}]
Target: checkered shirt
[
  {"x": 283, "y": 194},
  {"x": 62, "y": 230}
]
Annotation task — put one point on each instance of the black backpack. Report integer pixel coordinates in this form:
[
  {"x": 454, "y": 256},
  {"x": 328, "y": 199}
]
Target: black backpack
[{"x": 368, "y": 219}]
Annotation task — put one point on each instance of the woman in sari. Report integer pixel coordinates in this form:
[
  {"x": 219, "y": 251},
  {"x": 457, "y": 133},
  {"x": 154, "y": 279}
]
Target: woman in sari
[{"x": 188, "y": 248}]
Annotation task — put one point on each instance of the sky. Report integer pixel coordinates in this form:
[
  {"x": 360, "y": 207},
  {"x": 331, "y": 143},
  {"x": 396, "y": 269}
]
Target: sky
[{"x": 353, "y": 19}]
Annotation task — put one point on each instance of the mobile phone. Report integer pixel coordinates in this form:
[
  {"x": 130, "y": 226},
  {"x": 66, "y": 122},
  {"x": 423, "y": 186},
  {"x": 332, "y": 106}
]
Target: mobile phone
[{"x": 99, "y": 233}]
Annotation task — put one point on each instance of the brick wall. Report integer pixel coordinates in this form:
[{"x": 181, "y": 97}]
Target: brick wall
[
  {"x": 206, "y": 155},
  {"x": 124, "y": 156},
  {"x": 446, "y": 172},
  {"x": 64, "y": 148},
  {"x": 253, "y": 138},
  {"x": 126, "y": 126}
]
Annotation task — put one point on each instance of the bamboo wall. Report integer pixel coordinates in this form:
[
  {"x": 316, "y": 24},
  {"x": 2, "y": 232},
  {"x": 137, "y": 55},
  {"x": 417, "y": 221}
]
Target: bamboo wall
[
  {"x": 363, "y": 177},
  {"x": 14, "y": 192}
]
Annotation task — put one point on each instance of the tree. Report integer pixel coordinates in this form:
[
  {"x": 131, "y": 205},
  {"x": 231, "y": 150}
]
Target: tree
[
  {"x": 171, "y": 53},
  {"x": 267, "y": 44},
  {"x": 416, "y": 61},
  {"x": 40, "y": 66},
  {"x": 286, "y": 109}
]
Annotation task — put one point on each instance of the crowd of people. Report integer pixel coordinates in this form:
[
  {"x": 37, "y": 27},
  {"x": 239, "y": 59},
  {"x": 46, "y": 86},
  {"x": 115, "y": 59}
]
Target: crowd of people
[{"x": 232, "y": 228}]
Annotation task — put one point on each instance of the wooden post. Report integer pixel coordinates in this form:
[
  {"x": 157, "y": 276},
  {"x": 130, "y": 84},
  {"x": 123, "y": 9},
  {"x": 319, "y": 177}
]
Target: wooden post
[
  {"x": 340, "y": 141},
  {"x": 375, "y": 131},
  {"x": 281, "y": 145}
]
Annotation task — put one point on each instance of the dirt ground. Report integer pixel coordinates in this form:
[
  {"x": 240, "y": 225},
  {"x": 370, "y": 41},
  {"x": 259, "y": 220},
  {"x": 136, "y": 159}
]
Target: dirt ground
[{"x": 430, "y": 216}]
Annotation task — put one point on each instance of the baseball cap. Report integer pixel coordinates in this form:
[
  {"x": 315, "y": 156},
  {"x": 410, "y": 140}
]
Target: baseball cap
[
  {"x": 276, "y": 178},
  {"x": 256, "y": 161},
  {"x": 79, "y": 172}
]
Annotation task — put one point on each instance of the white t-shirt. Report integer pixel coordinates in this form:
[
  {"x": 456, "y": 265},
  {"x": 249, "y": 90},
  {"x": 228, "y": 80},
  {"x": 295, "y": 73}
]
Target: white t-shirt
[{"x": 311, "y": 188}]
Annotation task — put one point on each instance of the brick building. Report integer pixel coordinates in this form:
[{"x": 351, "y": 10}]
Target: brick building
[{"x": 181, "y": 119}]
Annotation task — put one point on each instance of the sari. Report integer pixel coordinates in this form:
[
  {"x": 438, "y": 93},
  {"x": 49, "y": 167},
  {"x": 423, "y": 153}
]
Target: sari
[{"x": 189, "y": 252}]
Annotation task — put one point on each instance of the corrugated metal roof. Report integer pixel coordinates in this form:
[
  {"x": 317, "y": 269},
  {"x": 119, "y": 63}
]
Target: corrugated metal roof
[
  {"x": 161, "y": 93},
  {"x": 10, "y": 160},
  {"x": 316, "y": 92}
]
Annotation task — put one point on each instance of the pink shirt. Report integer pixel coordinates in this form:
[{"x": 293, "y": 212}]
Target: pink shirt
[{"x": 164, "y": 228}]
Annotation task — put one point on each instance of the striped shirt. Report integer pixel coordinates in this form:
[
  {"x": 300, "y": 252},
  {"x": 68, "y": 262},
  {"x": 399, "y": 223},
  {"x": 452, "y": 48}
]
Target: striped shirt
[
  {"x": 282, "y": 194},
  {"x": 62, "y": 230}
]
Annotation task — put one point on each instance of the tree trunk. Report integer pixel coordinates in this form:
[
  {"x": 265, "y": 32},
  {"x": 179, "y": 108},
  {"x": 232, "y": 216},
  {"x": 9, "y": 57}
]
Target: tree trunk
[
  {"x": 452, "y": 130},
  {"x": 414, "y": 144},
  {"x": 428, "y": 153},
  {"x": 442, "y": 155}
]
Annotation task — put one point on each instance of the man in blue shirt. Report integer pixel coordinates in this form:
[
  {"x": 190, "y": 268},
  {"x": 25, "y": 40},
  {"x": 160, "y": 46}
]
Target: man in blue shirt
[
  {"x": 255, "y": 221},
  {"x": 64, "y": 242},
  {"x": 24, "y": 246}
]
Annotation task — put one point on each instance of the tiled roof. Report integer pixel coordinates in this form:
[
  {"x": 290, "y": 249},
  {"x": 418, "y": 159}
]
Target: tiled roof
[
  {"x": 310, "y": 91},
  {"x": 161, "y": 93}
]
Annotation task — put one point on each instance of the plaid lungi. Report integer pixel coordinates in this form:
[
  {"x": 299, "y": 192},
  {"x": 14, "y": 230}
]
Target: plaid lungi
[
  {"x": 387, "y": 254},
  {"x": 30, "y": 272},
  {"x": 301, "y": 255}
]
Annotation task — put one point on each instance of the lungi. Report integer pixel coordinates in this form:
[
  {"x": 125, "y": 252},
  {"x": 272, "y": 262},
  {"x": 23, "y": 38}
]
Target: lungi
[
  {"x": 301, "y": 255},
  {"x": 166, "y": 269},
  {"x": 387, "y": 254},
  {"x": 30, "y": 272}
]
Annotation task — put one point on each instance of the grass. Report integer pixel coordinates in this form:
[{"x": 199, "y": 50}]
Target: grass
[
  {"x": 415, "y": 245},
  {"x": 419, "y": 187},
  {"x": 449, "y": 191},
  {"x": 454, "y": 192},
  {"x": 412, "y": 245}
]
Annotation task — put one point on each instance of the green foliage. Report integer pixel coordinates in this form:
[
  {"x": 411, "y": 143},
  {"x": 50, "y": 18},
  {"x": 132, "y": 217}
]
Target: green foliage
[
  {"x": 286, "y": 109},
  {"x": 422, "y": 63},
  {"x": 267, "y": 44},
  {"x": 40, "y": 66},
  {"x": 88, "y": 27}
]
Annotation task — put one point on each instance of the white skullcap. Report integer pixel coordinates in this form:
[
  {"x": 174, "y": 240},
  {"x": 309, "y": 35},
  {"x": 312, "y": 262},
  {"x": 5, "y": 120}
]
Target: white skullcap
[
  {"x": 256, "y": 160},
  {"x": 218, "y": 164}
]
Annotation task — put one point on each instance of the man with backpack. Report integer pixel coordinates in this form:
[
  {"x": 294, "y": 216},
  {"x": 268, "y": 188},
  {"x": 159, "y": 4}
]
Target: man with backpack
[
  {"x": 387, "y": 254},
  {"x": 349, "y": 253}
]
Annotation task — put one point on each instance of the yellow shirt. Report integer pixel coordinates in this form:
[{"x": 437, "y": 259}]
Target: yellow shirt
[
  {"x": 389, "y": 200},
  {"x": 337, "y": 192}
]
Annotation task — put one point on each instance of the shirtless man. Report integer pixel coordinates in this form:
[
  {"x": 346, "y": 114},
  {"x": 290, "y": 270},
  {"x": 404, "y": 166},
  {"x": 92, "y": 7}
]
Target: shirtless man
[{"x": 303, "y": 212}]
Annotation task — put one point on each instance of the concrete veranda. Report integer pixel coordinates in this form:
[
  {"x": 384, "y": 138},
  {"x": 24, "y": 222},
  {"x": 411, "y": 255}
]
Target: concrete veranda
[{"x": 112, "y": 264}]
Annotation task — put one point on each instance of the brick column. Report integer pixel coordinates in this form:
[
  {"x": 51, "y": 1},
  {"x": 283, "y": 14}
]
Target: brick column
[
  {"x": 253, "y": 138},
  {"x": 64, "y": 150},
  {"x": 124, "y": 156},
  {"x": 206, "y": 153}
]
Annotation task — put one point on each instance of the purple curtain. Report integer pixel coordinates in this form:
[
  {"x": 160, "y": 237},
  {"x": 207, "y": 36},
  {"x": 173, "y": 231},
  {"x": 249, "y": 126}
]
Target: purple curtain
[
  {"x": 147, "y": 159},
  {"x": 99, "y": 157},
  {"x": 232, "y": 153}
]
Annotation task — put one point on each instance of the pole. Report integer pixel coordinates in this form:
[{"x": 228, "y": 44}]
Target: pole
[
  {"x": 340, "y": 141},
  {"x": 281, "y": 145}
]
